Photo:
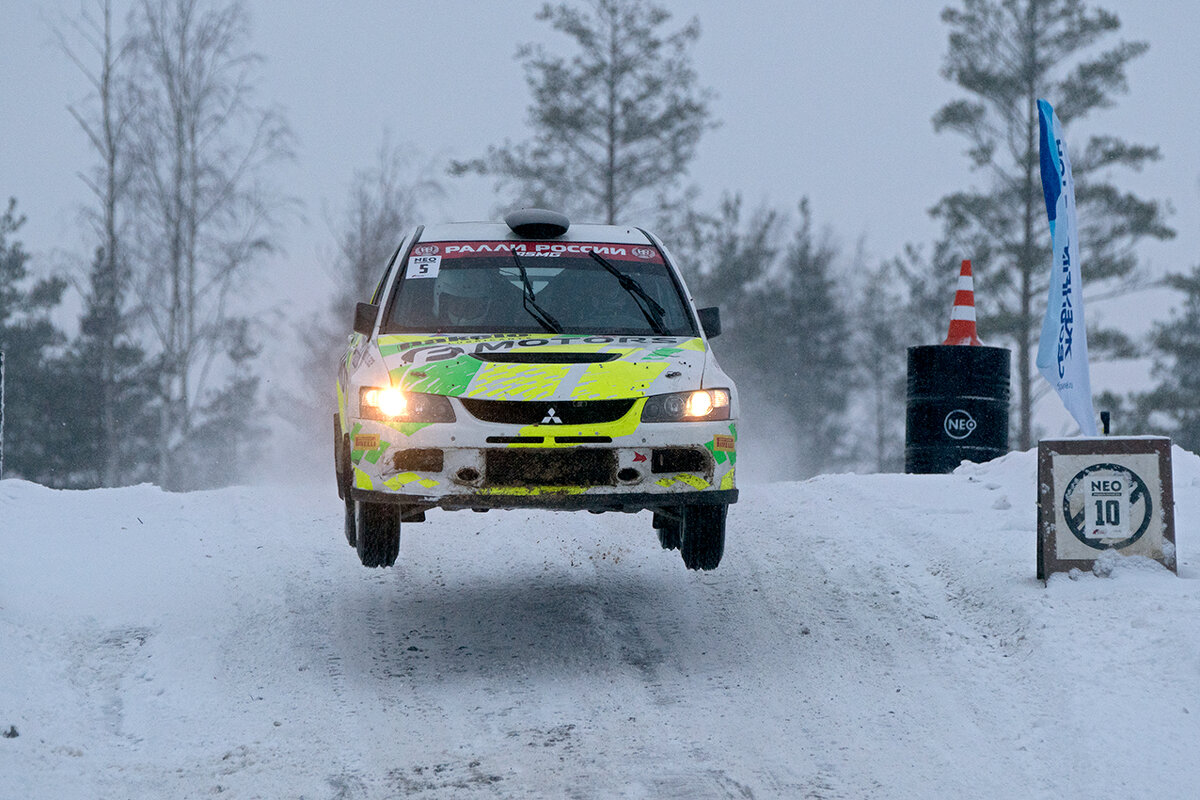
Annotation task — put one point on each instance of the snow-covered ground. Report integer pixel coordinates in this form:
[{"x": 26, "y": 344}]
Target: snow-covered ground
[{"x": 866, "y": 636}]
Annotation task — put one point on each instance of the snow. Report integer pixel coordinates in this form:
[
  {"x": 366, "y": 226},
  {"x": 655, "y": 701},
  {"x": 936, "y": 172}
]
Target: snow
[{"x": 866, "y": 636}]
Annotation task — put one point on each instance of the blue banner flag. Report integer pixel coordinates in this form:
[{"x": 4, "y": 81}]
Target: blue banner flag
[{"x": 1062, "y": 356}]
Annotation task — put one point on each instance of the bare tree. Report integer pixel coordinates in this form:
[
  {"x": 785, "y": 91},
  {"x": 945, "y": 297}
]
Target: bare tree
[
  {"x": 385, "y": 200},
  {"x": 882, "y": 325},
  {"x": 205, "y": 211},
  {"x": 105, "y": 118}
]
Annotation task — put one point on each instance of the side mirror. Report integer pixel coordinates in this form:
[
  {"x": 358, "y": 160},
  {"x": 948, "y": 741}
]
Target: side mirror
[
  {"x": 710, "y": 321},
  {"x": 364, "y": 318}
]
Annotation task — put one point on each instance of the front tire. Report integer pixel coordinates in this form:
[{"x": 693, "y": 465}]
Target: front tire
[
  {"x": 377, "y": 529},
  {"x": 702, "y": 540}
]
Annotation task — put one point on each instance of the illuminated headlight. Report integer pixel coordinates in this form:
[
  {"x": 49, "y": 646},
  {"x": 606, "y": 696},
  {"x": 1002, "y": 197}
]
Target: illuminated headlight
[
  {"x": 394, "y": 405},
  {"x": 702, "y": 405}
]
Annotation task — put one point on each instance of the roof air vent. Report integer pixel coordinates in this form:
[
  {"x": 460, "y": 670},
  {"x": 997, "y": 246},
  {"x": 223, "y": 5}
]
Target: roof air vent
[{"x": 537, "y": 223}]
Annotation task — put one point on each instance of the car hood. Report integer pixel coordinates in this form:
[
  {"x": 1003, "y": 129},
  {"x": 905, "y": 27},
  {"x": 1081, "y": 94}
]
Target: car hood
[{"x": 554, "y": 367}]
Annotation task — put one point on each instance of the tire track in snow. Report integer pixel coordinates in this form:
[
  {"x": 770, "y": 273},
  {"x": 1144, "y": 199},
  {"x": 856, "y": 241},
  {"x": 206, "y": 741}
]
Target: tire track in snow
[
  {"x": 103, "y": 667},
  {"x": 540, "y": 664},
  {"x": 903, "y": 626}
]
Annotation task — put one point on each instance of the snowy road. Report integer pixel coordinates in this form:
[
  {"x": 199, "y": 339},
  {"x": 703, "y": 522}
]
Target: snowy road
[{"x": 878, "y": 636}]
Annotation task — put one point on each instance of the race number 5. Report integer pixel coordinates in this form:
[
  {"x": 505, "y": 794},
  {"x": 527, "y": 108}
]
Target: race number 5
[{"x": 423, "y": 266}]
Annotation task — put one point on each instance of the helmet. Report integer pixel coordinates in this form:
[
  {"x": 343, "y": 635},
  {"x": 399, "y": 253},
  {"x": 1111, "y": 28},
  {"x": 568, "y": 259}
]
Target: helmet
[{"x": 462, "y": 296}]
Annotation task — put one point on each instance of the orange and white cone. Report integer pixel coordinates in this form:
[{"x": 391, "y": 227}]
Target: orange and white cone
[{"x": 962, "y": 316}]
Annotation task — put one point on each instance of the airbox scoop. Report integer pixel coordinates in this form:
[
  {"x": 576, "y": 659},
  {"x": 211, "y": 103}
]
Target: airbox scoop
[{"x": 537, "y": 223}]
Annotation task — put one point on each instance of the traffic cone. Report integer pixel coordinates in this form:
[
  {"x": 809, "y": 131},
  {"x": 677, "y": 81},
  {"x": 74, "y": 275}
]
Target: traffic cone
[{"x": 962, "y": 316}]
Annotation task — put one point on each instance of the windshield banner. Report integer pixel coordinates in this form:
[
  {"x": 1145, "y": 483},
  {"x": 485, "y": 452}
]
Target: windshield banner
[
  {"x": 618, "y": 252},
  {"x": 1062, "y": 356}
]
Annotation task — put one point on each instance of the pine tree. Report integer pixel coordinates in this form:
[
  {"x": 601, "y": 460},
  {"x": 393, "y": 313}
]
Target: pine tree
[
  {"x": 1172, "y": 407},
  {"x": 222, "y": 448},
  {"x": 724, "y": 253},
  {"x": 803, "y": 351},
  {"x": 29, "y": 341},
  {"x": 883, "y": 330},
  {"x": 1007, "y": 54},
  {"x": 105, "y": 403},
  {"x": 785, "y": 336},
  {"x": 616, "y": 125}
]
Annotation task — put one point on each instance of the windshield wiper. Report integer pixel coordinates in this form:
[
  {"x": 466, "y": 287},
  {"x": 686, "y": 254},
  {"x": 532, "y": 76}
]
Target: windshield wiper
[
  {"x": 544, "y": 317},
  {"x": 650, "y": 308}
]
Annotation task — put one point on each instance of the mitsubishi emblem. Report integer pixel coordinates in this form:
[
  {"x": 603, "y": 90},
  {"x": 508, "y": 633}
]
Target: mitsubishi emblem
[{"x": 551, "y": 418}]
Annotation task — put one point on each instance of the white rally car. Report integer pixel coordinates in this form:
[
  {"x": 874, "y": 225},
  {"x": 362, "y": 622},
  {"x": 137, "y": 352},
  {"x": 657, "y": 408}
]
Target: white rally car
[{"x": 534, "y": 364}]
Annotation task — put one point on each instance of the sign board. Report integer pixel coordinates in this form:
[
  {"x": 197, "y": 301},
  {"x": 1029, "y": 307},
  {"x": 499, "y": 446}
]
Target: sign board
[{"x": 1098, "y": 494}]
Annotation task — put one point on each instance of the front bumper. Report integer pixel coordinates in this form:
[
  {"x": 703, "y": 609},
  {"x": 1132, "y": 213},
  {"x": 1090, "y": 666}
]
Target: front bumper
[
  {"x": 472, "y": 464},
  {"x": 552, "y": 499}
]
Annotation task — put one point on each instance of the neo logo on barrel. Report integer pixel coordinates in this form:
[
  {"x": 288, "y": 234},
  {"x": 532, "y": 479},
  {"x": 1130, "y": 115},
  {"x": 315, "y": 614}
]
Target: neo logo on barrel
[{"x": 959, "y": 424}]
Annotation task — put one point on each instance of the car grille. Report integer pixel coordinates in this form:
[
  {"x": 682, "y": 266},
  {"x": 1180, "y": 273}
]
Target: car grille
[
  {"x": 564, "y": 412},
  {"x": 535, "y": 467}
]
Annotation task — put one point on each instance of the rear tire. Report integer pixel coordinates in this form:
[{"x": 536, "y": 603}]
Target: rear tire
[
  {"x": 668, "y": 529},
  {"x": 377, "y": 533},
  {"x": 702, "y": 540},
  {"x": 341, "y": 468},
  {"x": 351, "y": 523}
]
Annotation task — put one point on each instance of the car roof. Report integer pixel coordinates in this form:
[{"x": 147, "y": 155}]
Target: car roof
[{"x": 499, "y": 232}]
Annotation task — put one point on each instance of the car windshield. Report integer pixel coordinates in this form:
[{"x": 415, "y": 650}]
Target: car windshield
[{"x": 505, "y": 287}]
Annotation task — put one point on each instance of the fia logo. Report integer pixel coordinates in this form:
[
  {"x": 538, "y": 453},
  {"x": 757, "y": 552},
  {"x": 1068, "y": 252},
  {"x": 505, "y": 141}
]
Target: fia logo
[{"x": 552, "y": 418}]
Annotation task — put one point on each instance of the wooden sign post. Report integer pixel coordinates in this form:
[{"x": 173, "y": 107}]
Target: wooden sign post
[{"x": 1111, "y": 493}]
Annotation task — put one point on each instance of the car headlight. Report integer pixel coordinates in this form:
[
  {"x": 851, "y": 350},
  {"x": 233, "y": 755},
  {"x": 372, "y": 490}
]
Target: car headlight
[
  {"x": 395, "y": 405},
  {"x": 698, "y": 406}
]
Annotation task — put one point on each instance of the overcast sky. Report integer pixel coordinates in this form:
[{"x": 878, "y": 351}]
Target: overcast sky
[{"x": 831, "y": 101}]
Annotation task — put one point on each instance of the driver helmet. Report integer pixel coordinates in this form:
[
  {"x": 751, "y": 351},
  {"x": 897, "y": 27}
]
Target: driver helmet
[{"x": 462, "y": 296}]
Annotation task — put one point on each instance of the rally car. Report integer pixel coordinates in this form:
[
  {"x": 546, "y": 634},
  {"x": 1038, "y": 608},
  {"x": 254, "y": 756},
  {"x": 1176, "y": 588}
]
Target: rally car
[{"x": 534, "y": 364}]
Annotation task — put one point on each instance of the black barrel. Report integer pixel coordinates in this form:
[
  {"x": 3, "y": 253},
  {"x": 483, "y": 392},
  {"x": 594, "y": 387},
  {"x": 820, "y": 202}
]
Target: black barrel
[{"x": 957, "y": 406}]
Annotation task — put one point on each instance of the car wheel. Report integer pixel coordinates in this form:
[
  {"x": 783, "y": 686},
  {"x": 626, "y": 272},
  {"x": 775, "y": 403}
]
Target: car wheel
[
  {"x": 669, "y": 529},
  {"x": 702, "y": 540},
  {"x": 377, "y": 533},
  {"x": 351, "y": 523}
]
